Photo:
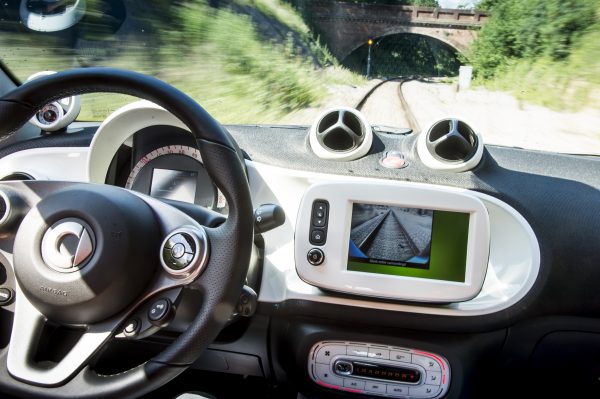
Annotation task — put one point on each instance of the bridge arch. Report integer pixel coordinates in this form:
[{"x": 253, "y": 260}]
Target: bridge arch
[
  {"x": 345, "y": 26},
  {"x": 448, "y": 37},
  {"x": 405, "y": 53}
]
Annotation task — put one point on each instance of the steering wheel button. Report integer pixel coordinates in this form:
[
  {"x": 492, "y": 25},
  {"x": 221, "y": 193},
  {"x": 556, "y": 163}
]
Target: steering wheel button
[
  {"x": 159, "y": 310},
  {"x": 178, "y": 250},
  {"x": 5, "y": 296},
  {"x": 132, "y": 327}
]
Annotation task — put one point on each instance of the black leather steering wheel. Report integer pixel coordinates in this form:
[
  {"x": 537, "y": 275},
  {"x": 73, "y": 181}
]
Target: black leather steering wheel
[{"x": 123, "y": 270}]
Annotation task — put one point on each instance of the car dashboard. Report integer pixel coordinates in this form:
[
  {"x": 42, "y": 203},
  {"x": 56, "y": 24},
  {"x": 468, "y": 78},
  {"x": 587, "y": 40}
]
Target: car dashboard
[{"x": 496, "y": 280}]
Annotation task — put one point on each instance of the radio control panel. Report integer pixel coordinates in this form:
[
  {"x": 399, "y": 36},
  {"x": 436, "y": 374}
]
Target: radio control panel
[{"x": 379, "y": 370}]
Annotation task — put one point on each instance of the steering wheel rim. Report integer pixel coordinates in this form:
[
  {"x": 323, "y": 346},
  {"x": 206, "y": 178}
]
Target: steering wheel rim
[{"x": 224, "y": 274}]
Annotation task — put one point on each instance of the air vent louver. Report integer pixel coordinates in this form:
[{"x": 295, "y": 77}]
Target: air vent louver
[
  {"x": 450, "y": 144},
  {"x": 341, "y": 134}
]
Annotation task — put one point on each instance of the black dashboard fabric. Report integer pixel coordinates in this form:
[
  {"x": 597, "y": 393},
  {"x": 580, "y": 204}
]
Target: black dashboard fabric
[{"x": 559, "y": 195}]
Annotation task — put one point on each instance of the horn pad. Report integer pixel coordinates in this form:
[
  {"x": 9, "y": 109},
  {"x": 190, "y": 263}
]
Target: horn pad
[{"x": 84, "y": 253}]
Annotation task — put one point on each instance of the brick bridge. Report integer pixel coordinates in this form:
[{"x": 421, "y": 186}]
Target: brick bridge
[{"x": 344, "y": 27}]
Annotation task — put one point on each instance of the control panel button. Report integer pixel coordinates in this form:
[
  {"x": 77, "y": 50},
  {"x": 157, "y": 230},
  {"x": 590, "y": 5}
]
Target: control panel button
[
  {"x": 319, "y": 215},
  {"x": 401, "y": 356},
  {"x": 6, "y": 296},
  {"x": 325, "y": 374},
  {"x": 354, "y": 384},
  {"x": 377, "y": 353},
  {"x": 433, "y": 378},
  {"x": 315, "y": 257},
  {"x": 319, "y": 222},
  {"x": 423, "y": 391},
  {"x": 343, "y": 367},
  {"x": 375, "y": 387},
  {"x": 317, "y": 236},
  {"x": 376, "y": 370},
  {"x": 320, "y": 206},
  {"x": 397, "y": 390},
  {"x": 132, "y": 327},
  {"x": 178, "y": 251},
  {"x": 326, "y": 353},
  {"x": 428, "y": 363},
  {"x": 357, "y": 351},
  {"x": 160, "y": 311}
]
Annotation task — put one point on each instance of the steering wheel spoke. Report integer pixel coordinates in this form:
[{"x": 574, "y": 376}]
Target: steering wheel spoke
[{"x": 28, "y": 327}]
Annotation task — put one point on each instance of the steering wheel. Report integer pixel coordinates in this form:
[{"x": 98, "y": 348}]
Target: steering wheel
[{"x": 89, "y": 255}]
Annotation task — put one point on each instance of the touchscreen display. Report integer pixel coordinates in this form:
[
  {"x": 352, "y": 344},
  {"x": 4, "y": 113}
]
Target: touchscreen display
[
  {"x": 179, "y": 185},
  {"x": 390, "y": 235},
  {"x": 411, "y": 242}
]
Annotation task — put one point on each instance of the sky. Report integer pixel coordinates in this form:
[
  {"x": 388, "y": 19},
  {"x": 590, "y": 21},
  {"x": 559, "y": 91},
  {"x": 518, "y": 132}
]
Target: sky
[{"x": 455, "y": 3}]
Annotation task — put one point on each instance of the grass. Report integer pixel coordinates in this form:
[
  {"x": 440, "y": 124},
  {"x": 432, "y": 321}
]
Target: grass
[
  {"x": 214, "y": 55},
  {"x": 569, "y": 85}
]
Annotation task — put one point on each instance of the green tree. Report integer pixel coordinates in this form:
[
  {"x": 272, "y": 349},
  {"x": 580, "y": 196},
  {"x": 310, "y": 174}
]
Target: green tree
[{"x": 530, "y": 30}]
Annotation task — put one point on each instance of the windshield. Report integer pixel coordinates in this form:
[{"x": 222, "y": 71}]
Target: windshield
[{"x": 524, "y": 73}]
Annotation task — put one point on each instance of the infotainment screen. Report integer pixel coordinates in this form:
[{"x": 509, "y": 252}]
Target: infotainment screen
[
  {"x": 177, "y": 185},
  {"x": 410, "y": 242}
]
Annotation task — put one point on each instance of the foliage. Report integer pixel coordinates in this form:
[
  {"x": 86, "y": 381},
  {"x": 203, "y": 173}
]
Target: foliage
[
  {"x": 530, "y": 30},
  {"x": 544, "y": 51},
  {"x": 216, "y": 55}
]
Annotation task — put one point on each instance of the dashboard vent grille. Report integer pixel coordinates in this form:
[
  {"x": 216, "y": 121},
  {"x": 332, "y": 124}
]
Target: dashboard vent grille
[
  {"x": 342, "y": 134},
  {"x": 17, "y": 176},
  {"x": 450, "y": 144}
]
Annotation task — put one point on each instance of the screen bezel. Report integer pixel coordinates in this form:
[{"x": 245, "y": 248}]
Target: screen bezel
[{"x": 333, "y": 274}]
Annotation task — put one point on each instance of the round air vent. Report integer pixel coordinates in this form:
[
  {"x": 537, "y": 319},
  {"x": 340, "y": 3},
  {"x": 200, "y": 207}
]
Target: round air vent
[
  {"x": 17, "y": 176},
  {"x": 58, "y": 114},
  {"x": 342, "y": 134},
  {"x": 4, "y": 207},
  {"x": 51, "y": 15},
  {"x": 450, "y": 144}
]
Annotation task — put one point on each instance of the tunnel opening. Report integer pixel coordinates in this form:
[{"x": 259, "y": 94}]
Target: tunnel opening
[{"x": 404, "y": 54}]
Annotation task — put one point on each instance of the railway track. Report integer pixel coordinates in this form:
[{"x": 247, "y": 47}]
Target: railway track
[
  {"x": 384, "y": 237},
  {"x": 409, "y": 116}
]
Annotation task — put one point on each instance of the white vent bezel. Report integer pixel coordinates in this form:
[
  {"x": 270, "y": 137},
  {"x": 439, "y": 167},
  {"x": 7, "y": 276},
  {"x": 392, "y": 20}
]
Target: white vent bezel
[
  {"x": 67, "y": 112},
  {"x": 324, "y": 153},
  {"x": 434, "y": 163}
]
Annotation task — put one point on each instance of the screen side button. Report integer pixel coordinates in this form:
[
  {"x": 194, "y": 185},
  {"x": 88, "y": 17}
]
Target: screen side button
[
  {"x": 315, "y": 257},
  {"x": 317, "y": 237}
]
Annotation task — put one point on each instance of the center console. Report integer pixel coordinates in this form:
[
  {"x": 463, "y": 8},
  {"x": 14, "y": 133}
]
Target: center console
[
  {"x": 378, "y": 370},
  {"x": 409, "y": 242}
]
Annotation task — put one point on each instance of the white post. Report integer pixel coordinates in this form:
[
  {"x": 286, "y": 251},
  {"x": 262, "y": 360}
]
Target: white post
[{"x": 465, "y": 74}]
